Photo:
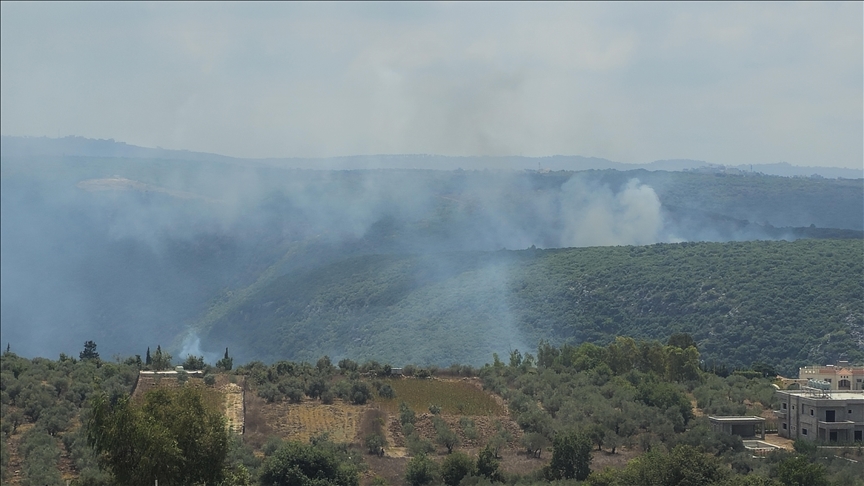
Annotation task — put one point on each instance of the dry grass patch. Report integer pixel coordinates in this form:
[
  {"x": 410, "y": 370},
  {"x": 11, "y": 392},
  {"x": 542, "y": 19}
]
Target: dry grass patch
[
  {"x": 300, "y": 421},
  {"x": 390, "y": 469},
  {"x": 455, "y": 397}
]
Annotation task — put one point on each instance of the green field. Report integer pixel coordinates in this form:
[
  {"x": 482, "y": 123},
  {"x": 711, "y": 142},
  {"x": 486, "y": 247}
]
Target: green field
[{"x": 460, "y": 397}]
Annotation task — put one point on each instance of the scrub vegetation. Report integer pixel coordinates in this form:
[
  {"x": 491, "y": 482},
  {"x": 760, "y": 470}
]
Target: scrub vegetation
[
  {"x": 740, "y": 301},
  {"x": 619, "y": 414}
]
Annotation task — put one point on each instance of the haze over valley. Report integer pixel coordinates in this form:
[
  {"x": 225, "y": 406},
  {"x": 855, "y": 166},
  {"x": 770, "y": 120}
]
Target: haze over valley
[
  {"x": 199, "y": 254},
  {"x": 431, "y": 243}
]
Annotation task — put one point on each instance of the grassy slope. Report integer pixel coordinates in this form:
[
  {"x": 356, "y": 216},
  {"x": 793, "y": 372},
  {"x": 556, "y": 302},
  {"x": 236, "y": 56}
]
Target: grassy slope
[{"x": 785, "y": 303}]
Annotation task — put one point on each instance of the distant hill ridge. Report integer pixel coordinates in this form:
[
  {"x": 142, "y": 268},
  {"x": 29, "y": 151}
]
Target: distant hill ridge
[{"x": 72, "y": 146}]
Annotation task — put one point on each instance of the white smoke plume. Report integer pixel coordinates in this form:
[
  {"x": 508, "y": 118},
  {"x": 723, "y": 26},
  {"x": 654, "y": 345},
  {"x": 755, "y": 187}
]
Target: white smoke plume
[{"x": 596, "y": 216}]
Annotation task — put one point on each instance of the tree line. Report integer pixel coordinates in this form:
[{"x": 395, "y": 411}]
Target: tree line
[{"x": 570, "y": 403}]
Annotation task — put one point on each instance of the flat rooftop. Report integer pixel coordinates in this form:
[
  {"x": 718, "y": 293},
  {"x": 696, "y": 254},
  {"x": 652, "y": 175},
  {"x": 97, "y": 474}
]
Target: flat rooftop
[
  {"x": 738, "y": 419},
  {"x": 827, "y": 394}
]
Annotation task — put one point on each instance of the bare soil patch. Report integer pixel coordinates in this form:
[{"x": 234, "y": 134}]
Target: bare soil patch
[{"x": 300, "y": 421}]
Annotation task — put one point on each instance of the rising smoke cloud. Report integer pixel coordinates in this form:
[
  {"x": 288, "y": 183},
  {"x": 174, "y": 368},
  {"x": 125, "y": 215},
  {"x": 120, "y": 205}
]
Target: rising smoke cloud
[
  {"x": 140, "y": 264},
  {"x": 597, "y": 216}
]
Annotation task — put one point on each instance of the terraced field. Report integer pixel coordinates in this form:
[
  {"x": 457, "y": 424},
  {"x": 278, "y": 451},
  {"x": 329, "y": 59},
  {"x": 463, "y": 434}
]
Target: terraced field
[
  {"x": 455, "y": 397},
  {"x": 300, "y": 421}
]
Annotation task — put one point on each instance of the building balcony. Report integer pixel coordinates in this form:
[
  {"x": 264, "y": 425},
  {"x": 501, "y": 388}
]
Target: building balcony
[{"x": 840, "y": 424}]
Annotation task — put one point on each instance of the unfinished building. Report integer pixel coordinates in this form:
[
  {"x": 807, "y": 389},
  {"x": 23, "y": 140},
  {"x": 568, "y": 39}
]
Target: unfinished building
[{"x": 818, "y": 412}]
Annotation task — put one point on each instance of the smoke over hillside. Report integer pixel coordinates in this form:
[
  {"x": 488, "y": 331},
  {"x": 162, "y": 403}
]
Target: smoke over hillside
[{"x": 134, "y": 252}]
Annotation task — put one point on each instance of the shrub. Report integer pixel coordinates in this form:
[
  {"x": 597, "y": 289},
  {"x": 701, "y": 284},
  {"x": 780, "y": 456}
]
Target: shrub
[
  {"x": 295, "y": 395},
  {"x": 406, "y": 415},
  {"x": 375, "y": 444},
  {"x": 418, "y": 445},
  {"x": 421, "y": 470},
  {"x": 360, "y": 393},
  {"x": 386, "y": 391},
  {"x": 455, "y": 467}
]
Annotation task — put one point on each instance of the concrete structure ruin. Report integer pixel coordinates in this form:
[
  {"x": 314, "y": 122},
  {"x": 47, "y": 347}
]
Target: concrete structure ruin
[{"x": 743, "y": 426}]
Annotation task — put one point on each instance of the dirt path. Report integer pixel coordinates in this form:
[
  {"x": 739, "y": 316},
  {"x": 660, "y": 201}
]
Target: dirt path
[
  {"x": 778, "y": 441},
  {"x": 234, "y": 408}
]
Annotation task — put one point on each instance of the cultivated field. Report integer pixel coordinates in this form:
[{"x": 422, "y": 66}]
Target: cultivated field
[
  {"x": 455, "y": 397},
  {"x": 300, "y": 421}
]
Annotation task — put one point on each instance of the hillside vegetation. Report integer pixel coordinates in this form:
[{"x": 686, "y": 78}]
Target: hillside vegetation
[
  {"x": 124, "y": 250},
  {"x": 786, "y": 303},
  {"x": 535, "y": 420}
]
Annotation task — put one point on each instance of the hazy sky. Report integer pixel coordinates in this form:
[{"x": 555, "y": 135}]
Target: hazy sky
[{"x": 729, "y": 83}]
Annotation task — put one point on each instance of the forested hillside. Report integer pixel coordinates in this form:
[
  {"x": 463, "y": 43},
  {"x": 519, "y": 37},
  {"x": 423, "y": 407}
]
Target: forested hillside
[
  {"x": 124, "y": 250},
  {"x": 785, "y": 303}
]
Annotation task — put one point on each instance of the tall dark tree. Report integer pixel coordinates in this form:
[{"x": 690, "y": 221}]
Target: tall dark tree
[
  {"x": 89, "y": 352},
  {"x": 148, "y": 360},
  {"x": 226, "y": 363},
  {"x": 161, "y": 360}
]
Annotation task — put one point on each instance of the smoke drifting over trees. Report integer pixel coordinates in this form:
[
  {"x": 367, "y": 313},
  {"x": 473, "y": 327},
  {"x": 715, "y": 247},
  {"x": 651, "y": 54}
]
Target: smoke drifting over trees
[{"x": 131, "y": 252}]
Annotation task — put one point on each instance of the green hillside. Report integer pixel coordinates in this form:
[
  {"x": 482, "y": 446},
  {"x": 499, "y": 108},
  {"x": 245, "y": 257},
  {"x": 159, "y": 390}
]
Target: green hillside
[
  {"x": 784, "y": 303},
  {"x": 126, "y": 251}
]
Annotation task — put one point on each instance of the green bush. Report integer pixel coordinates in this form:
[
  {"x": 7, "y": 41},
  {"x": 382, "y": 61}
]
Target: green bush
[{"x": 420, "y": 470}]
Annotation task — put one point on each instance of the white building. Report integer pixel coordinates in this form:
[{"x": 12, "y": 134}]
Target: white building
[{"x": 841, "y": 377}]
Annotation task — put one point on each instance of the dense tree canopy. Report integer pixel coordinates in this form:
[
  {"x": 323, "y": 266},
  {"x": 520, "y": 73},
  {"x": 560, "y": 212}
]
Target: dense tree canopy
[
  {"x": 736, "y": 302},
  {"x": 318, "y": 464},
  {"x": 171, "y": 435}
]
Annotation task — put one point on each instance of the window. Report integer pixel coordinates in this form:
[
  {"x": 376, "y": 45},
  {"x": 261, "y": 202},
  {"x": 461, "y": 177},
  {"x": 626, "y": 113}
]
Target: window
[
  {"x": 784, "y": 426},
  {"x": 803, "y": 431},
  {"x": 784, "y": 406},
  {"x": 850, "y": 410},
  {"x": 811, "y": 411}
]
